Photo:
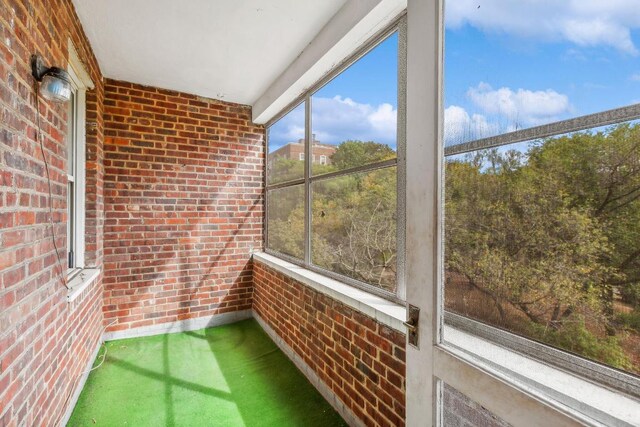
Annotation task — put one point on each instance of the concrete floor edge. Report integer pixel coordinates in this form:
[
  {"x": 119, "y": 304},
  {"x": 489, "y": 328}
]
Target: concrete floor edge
[{"x": 180, "y": 326}]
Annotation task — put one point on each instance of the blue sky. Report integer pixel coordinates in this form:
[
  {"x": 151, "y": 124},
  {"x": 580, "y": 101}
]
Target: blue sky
[
  {"x": 516, "y": 64},
  {"x": 360, "y": 103},
  {"x": 508, "y": 65}
]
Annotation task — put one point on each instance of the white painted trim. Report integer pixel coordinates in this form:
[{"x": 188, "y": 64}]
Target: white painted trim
[
  {"x": 82, "y": 280},
  {"x": 80, "y": 178},
  {"x": 384, "y": 311},
  {"x": 81, "y": 82},
  {"x": 423, "y": 191},
  {"x": 497, "y": 394},
  {"x": 510, "y": 394},
  {"x": 347, "y": 30},
  {"x": 306, "y": 370},
  {"x": 78, "y": 66},
  {"x": 73, "y": 400},
  {"x": 180, "y": 326},
  {"x": 570, "y": 394}
]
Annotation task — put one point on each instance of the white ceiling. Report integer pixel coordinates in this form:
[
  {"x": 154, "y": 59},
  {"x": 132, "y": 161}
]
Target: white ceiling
[{"x": 225, "y": 49}]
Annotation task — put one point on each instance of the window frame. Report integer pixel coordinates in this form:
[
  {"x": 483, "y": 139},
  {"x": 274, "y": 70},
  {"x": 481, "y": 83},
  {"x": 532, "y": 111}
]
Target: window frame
[
  {"x": 397, "y": 25},
  {"x": 73, "y": 245},
  {"x": 80, "y": 83},
  {"x": 510, "y": 395}
]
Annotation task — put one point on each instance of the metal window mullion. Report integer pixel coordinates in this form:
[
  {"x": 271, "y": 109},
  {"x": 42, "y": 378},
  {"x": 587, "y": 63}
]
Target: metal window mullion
[
  {"x": 285, "y": 184},
  {"x": 307, "y": 183},
  {"x": 364, "y": 168},
  {"x": 401, "y": 177},
  {"x": 590, "y": 121},
  {"x": 265, "y": 218}
]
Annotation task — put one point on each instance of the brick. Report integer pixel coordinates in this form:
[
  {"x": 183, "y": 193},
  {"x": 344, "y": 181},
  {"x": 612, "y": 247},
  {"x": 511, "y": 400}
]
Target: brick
[
  {"x": 368, "y": 384},
  {"x": 37, "y": 324},
  {"x": 159, "y": 189}
]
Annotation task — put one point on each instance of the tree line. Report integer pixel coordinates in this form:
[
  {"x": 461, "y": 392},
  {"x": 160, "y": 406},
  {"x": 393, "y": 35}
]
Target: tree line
[{"x": 543, "y": 241}]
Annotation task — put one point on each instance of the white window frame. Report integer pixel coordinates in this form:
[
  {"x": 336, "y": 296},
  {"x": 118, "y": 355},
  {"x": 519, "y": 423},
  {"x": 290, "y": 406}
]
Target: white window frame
[
  {"x": 301, "y": 157},
  {"x": 515, "y": 386},
  {"x": 80, "y": 82},
  {"x": 323, "y": 159},
  {"x": 398, "y": 25}
]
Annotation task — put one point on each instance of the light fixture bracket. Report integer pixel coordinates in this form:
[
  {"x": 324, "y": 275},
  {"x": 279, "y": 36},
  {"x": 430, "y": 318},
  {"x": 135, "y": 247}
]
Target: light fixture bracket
[{"x": 38, "y": 69}]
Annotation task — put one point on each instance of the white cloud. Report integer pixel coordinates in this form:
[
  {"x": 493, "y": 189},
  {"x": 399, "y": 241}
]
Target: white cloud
[
  {"x": 521, "y": 107},
  {"x": 461, "y": 127},
  {"x": 289, "y": 128},
  {"x": 635, "y": 77},
  {"x": 585, "y": 23},
  {"x": 500, "y": 111},
  {"x": 338, "y": 119}
]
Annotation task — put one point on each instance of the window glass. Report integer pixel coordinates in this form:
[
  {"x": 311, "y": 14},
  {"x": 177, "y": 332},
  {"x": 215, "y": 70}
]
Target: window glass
[
  {"x": 354, "y": 116},
  {"x": 542, "y": 237},
  {"x": 285, "y": 222},
  {"x": 71, "y": 185},
  {"x": 511, "y": 66},
  {"x": 71, "y": 155},
  {"x": 354, "y": 226},
  {"x": 352, "y": 213},
  {"x": 285, "y": 161}
]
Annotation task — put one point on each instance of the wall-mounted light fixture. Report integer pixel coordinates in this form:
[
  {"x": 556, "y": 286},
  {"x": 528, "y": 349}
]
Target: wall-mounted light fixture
[{"x": 55, "y": 83}]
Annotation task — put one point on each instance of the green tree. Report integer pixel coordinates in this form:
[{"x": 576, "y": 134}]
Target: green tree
[
  {"x": 551, "y": 239},
  {"x": 353, "y": 153}
]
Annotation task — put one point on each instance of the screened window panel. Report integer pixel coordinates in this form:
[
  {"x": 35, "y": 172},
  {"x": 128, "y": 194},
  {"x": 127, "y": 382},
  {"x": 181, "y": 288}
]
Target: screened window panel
[
  {"x": 354, "y": 116},
  {"x": 510, "y": 67},
  {"x": 354, "y": 226},
  {"x": 543, "y": 239},
  {"x": 285, "y": 161},
  {"x": 285, "y": 222},
  {"x": 542, "y": 176}
]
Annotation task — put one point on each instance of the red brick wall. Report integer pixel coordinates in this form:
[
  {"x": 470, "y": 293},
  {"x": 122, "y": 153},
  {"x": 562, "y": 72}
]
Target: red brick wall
[
  {"x": 359, "y": 359},
  {"x": 183, "y": 203},
  {"x": 45, "y": 342}
]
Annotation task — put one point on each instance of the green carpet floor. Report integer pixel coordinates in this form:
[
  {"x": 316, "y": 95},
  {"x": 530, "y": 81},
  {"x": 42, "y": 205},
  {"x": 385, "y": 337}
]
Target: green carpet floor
[{"x": 231, "y": 375}]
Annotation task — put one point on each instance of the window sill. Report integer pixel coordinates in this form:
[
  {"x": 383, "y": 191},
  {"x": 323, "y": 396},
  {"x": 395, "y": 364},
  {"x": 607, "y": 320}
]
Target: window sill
[
  {"x": 80, "y": 282},
  {"x": 384, "y": 311},
  {"x": 584, "y": 400}
]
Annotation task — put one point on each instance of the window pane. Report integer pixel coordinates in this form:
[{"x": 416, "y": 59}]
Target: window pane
[
  {"x": 543, "y": 239},
  {"x": 71, "y": 134},
  {"x": 511, "y": 66},
  {"x": 285, "y": 222},
  {"x": 285, "y": 161},
  {"x": 71, "y": 171},
  {"x": 354, "y": 226},
  {"x": 71, "y": 224},
  {"x": 354, "y": 116}
]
